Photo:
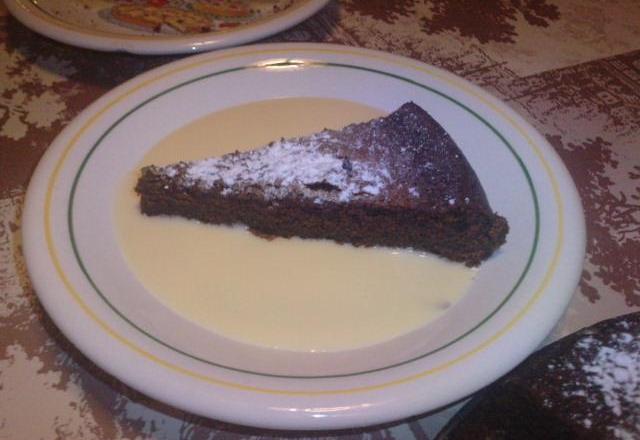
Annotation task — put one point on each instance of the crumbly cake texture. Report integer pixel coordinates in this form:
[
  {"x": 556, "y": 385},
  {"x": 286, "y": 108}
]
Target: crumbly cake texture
[
  {"x": 397, "y": 181},
  {"x": 584, "y": 386}
]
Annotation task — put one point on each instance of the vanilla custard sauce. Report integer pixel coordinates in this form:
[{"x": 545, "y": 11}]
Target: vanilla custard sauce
[{"x": 303, "y": 295}]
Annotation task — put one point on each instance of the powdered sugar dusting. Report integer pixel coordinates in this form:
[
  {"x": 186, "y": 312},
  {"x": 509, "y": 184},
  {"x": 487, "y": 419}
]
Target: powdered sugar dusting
[
  {"x": 405, "y": 158},
  {"x": 623, "y": 434},
  {"x": 297, "y": 164},
  {"x": 616, "y": 375},
  {"x": 609, "y": 383}
]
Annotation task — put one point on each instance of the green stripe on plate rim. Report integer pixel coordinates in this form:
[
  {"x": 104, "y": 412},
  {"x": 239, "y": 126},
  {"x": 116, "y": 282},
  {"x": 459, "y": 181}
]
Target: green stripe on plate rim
[{"x": 317, "y": 64}]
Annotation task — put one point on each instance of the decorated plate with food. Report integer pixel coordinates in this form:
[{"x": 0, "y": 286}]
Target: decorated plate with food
[
  {"x": 160, "y": 26},
  {"x": 303, "y": 236}
]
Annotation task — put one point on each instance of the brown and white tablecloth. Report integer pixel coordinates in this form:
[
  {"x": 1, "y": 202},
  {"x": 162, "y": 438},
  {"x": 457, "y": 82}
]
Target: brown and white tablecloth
[{"x": 570, "y": 67}]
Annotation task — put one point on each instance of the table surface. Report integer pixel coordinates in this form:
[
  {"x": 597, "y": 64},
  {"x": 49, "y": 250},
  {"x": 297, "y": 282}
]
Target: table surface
[{"x": 570, "y": 67}]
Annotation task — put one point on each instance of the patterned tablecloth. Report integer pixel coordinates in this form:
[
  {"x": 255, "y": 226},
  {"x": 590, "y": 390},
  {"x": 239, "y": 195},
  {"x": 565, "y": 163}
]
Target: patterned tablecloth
[{"x": 570, "y": 67}]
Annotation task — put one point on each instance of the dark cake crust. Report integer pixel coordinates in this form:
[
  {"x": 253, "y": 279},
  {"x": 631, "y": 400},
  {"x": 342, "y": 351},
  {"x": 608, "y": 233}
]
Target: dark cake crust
[
  {"x": 396, "y": 181},
  {"x": 584, "y": 386}
]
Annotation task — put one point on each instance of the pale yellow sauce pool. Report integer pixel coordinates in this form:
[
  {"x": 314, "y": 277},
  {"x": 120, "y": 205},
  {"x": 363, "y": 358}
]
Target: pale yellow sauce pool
[{"x": 304, "y": 295}]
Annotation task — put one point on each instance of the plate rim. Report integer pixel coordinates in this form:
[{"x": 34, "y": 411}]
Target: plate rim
[
  {"x": 240, "y": 52},
  {"x": 39, "y": 21}
]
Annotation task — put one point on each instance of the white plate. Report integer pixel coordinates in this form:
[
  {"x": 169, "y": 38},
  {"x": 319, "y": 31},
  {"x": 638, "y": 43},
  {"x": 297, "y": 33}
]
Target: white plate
[
  {"x": 89, "y": 24},
  {"x": 85, "y": 285}
]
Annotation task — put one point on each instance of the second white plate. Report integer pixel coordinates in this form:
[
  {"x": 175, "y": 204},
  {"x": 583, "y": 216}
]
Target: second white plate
[{"x": 158, "y": 27}]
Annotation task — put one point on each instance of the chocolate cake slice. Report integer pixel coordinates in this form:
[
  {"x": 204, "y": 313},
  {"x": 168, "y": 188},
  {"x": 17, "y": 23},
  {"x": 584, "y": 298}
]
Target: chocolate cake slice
[
  {"x": 584, "y": 386},
  {"x": 396, "y": 181}
]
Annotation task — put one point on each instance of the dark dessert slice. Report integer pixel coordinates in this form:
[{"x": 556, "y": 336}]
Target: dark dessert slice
[
  {"x": 584, "y": 386},
  {"x": 396, "y": 181}
]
